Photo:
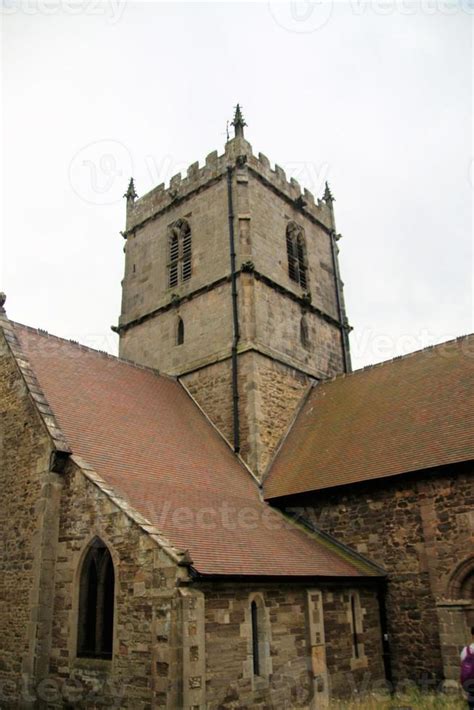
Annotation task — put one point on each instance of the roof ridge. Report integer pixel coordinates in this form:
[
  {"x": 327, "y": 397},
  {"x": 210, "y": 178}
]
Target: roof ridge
[
  {"x": 342, "y": 375},
  {"x": 88, "y": 348}
]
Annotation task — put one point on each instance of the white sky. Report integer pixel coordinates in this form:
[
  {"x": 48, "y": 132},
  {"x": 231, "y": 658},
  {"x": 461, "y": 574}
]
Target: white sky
[{"x": 375, "y": 97}]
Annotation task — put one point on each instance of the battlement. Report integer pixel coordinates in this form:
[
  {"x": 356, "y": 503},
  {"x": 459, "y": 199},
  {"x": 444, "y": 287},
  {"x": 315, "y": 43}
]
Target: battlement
[{"x": 238, "y": 153}]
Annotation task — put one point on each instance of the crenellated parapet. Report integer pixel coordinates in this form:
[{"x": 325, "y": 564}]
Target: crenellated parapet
[{"x": 238, "y": 153}]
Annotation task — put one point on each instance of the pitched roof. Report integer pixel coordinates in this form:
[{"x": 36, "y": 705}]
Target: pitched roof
[
  {"x": 149, "y": 441},
  {"x": 411, "y": 413}
]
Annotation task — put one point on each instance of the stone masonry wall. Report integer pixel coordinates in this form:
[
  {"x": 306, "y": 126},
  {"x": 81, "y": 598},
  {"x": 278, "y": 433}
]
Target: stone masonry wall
[
  {"x": 207, "y": 331},
  {"x": 269, "y": 394},
  {"x": 269, "y": 219},
  {"x": 25, "y": 484},
  {"x": 278, "y": 393},
  {"x": 145, "y": 284},
  {"x": 145, "y": 670},
  {"x": 287, "y": 680},
  {"x": 420, "y": 529}
]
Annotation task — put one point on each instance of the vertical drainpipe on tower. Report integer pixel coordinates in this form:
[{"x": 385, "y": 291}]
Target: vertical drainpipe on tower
[
  {"x": 341, "y": 311},
  {"x": 235, "y": 314}
]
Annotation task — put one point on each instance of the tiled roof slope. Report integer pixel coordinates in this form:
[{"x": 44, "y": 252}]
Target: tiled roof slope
[
  {"x": 411, "y": 413},
  {"x": 150, "y": 442}
]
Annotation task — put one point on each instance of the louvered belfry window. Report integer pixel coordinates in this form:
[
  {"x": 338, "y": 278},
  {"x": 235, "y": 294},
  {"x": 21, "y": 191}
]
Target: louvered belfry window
[
  {"x": 180, "y": 253},
  {"x": 296, "y": 251}
]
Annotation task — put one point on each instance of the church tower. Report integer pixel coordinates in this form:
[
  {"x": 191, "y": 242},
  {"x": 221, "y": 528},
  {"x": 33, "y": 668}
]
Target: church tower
[{"x": 232, "y": 284}]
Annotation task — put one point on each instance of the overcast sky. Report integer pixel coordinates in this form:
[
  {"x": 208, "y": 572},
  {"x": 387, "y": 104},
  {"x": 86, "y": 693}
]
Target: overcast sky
[{"x": 374, "y": 97}]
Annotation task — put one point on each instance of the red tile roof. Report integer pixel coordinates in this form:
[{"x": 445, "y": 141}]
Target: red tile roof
[
  {"x": 150, "y": 442},
  {"x": 411, "y": 413}
]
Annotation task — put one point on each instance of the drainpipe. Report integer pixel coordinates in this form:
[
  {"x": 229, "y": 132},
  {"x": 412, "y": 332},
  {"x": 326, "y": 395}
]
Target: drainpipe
[
  {"x": 387, "y": 661},
  {"x": 235, "y": 315},
  {"x": 341, "y": 310},
  {"x": 346, "y": 353}
]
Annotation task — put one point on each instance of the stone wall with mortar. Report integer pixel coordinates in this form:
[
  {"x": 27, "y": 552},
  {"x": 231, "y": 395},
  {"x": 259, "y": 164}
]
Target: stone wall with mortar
[
  {"x": 145, "y": 283},
  {"x": 294, "y": 672},
  {"x": 269, "y": 393},
  {"x": 270, "y": 216},
  {"x": 207, "y": 334},
  {"x": 145, "y": 669},
  {"x": 26, "y": 488},
  {"x": 420, "y": 529}
]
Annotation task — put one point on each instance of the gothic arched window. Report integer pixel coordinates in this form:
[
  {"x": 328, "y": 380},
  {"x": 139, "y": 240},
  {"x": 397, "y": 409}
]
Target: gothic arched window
[
  {"x": 180, "y": 252},
  {"x": 259, "y": 639},
  {"x": 180, "y": 332},
  {"x": 96, "y": 603},
  {"x": 296, "y": 251}
]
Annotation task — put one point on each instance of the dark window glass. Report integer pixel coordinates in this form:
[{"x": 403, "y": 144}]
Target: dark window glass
[
  {"x": 180, "y": 332},
  {"x": 96, "y": 603},
  {"x": 255, "y": 638}
]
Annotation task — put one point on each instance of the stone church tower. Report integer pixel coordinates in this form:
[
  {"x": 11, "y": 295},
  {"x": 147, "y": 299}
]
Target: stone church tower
[{"x": 232, "y": 284}]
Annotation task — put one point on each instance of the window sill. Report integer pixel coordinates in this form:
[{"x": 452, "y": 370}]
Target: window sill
[{"x": 99, "y": 664}]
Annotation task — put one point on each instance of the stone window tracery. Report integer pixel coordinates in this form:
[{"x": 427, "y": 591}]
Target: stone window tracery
[
  {"x": 296, "y": 252},
  {"x": 96, "y": 603},
  {"x": 180, "y": 252}
]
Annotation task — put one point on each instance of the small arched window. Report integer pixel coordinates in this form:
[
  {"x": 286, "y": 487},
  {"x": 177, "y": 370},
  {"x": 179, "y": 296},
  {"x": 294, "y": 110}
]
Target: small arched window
[
  {"x": 356, "y": 625},
  {"x": 255, "y": 638},
  {"x": 96, "y": 603},
  {"x": 180, "y": 252},
  {"x": 296, "y": 251},
  {"x": 180, "y": 332},
  {"x": 259, "y": 641},
  {"x": 304, "y": 332}
]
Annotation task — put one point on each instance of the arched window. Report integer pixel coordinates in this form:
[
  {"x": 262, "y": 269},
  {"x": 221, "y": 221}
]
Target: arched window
[
  {"x": 260, "y": 663},
  {"x": 296, "y": 251},
  {"x": 180, "y": 252},
  {"x": 354, "y": 625},
  {"x": 96, "y": 603},
  {"x": 304, "y": 332},
  {"x": 255, "y": 638},
  {"x": 180, "y": 332}
]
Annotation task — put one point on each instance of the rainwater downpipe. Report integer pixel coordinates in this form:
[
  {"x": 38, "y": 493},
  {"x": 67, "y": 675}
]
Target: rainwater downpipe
[{"x": 235, "y": 315}]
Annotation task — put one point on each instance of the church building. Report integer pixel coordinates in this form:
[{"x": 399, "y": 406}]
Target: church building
[{"x": 225, "y": 515}]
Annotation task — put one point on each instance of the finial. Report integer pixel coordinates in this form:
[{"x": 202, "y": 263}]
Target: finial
[
  {"x": 327, "y": 197},
  {"x": 3, "y": 298},
  {"x": 131, "y": 194},
  {"x": 238, "y": 122}
]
